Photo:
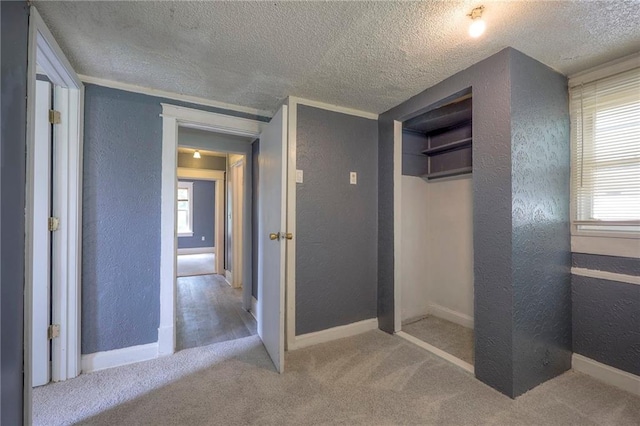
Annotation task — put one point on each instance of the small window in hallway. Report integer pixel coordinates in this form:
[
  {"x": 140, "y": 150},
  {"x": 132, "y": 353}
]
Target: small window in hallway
[{"x": 185, "y": 209}]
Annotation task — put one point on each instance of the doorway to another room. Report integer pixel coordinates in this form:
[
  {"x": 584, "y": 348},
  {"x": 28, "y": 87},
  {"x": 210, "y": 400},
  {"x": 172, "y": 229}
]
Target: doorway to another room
[{"x": 210, "y": 211}]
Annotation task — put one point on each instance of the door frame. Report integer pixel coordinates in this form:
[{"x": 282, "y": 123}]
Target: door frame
[
  {"x": 173, "y": 117},
  {"x": 216, "y": 176},
  {"x": 237, "y": 225},
  {"x": 66, "y": 201}
]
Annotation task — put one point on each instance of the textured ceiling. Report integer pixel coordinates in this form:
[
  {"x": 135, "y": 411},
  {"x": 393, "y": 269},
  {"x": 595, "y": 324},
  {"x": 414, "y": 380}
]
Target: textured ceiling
[{"x": 365, "y": 55}]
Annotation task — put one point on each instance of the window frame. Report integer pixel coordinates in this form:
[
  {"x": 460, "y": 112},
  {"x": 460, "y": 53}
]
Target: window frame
[
  {"x": 601, "y": 241},
  {"x": 189, "y": 187}
]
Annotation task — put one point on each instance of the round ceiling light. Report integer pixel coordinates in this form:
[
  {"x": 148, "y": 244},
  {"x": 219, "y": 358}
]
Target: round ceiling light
[{"x": 477, "y": 27}]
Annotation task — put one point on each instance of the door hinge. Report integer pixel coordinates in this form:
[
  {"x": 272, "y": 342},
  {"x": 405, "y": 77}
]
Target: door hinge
[
  {"x": 54, "y": 224},
  {"x": 53, "y": 331},
  {"x": 54, "y": 117}
]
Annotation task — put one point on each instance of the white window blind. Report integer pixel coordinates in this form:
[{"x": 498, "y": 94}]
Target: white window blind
[{"x": 605, "y": 133}]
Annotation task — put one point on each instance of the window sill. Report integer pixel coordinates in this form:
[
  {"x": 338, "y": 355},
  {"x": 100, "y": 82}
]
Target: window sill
[
  {"x": 185, "y": 234},
  {"x": 627, "y": 245}
]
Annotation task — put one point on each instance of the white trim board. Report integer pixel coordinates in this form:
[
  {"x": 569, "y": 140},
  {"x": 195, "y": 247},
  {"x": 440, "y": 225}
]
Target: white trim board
[
  {"x": 334, "y": 333},
  {"x": 438, "y": 352},
  {"x": 254, "y": 308},
  {"x": 451, "y": 315},
  {"x": 66, "y": 203},
  {"x": 290, "y": 282},
  {"x": 108, "y": 359},
  {"x": 196, "y": 250},
  {"x": 330, "y": 107},
  {"x": 605, "y": 373},
  {"x": 397, "y": 225},
  {"x": 173, "y": 96},
  {"x": 200, "y": 174},
  {"x": 605, "y": 70},
  {"x": 606, "y": 246},
  {"x": 605, "y": 275}
]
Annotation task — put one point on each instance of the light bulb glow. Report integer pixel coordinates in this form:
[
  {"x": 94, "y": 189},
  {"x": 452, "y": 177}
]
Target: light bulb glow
[
  {"x": 196, "y": 154},
  {"x": 477, "y": 27}
]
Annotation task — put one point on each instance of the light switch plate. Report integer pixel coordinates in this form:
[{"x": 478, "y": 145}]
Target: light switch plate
[
  {"x": 353, "y": 178},
  {"x": 299, "y": 176}
]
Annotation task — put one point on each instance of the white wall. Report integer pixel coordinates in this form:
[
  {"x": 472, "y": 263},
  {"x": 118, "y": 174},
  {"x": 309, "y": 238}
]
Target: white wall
[
  {"x": 437, "y": 248},
  {"x": 414, "y": 295}
]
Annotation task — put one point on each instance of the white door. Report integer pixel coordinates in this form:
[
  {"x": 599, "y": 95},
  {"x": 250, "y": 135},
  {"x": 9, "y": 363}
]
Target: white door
[
  {"x": 41, "y": 237},
  {"x": 271, "y": 242}
]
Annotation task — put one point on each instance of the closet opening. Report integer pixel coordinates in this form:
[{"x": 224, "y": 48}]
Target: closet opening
[{"x": 436, "y": 227}]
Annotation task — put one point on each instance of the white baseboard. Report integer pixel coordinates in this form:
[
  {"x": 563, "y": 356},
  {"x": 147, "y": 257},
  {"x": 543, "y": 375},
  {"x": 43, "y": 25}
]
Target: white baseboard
[
  {"x": 254, "y": 308},
  {"x": 166, "y": 340},
  {"x": 228, "y": 276},
  {"x": 450, "y": 315},
  {"x": 438, "y": 352},
  {"x": 334, "y": 333},
  {"x": 607, "y": 374},
  {"x": 196, "y": 250},
  {"x": 108, "y": 359}
]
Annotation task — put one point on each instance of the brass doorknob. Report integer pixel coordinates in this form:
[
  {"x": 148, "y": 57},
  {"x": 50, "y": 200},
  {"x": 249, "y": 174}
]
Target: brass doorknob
[
  {"x": 274, "y": 236},
  {"x": 288, "y": 236}
]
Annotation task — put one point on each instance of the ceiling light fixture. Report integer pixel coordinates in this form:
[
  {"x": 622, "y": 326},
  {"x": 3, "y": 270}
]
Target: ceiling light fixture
[
  {"x": 477, "y": 26},
  {"x": 196, "y": 154}
]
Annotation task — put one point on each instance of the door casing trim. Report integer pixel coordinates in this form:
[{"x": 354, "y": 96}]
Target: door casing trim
[{"x": 173, "y": 117}]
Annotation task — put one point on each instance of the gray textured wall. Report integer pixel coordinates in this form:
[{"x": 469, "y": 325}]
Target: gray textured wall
[
  {"x": 493, "y": 310},
  {"x": 414, "y": 162},
  {"x": 121, "y": 220},
  {"x": 606, "y": 314},
  {"x": 204, "y": 210},
  {"x": 121, "y": 216},
  {"x": 206, "y": 162},
  {"x": 336, "y": 222},
  {"x": 386, "y": 297},
  {"x": 497, "y": 318},
  {"x": 14, "y": 30},
  {"x": 606, "y": 322},
  {"x": 541, "y": 249},
  {"x": 620, "y": 265}
]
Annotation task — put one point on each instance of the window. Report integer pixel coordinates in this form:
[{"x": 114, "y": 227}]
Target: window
[
  {"x": 605, "y": 136},
  {"x": 185, "y": 209}
]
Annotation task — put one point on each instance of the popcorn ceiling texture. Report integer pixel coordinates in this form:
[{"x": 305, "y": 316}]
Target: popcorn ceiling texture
[{"x": 365, "y": 55}]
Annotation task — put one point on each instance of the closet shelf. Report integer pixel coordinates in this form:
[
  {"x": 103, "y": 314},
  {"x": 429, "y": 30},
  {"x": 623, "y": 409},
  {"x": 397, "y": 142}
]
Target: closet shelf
[
  {"x": 462, "y": 143},
  {"x": 448, "y": 173}
]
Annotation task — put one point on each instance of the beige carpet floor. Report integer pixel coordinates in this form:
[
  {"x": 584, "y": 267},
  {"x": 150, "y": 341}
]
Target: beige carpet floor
[
  {"x": 196, "y": 264},
  {"x": 450, "y": 337},
  {"x": 370, "y": 379}
]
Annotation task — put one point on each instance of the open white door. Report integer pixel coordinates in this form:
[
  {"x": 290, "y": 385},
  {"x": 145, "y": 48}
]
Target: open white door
[
  {"x": 272, "y": 235},
  {"x": 41, "y": 237}
]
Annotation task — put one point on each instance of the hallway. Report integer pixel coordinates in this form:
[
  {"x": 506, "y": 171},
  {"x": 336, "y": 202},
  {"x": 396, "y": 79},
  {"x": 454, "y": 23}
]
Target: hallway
[
  {"x": 196, "y": 264},
  {"x": 210, "y": 311}
]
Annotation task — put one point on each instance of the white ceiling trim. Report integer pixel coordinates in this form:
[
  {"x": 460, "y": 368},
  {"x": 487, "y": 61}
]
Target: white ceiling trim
[
  {"x": 605, "y": 70},
  {"x": 173, "y": 96},
  {"x": 331, "y": 107}
]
